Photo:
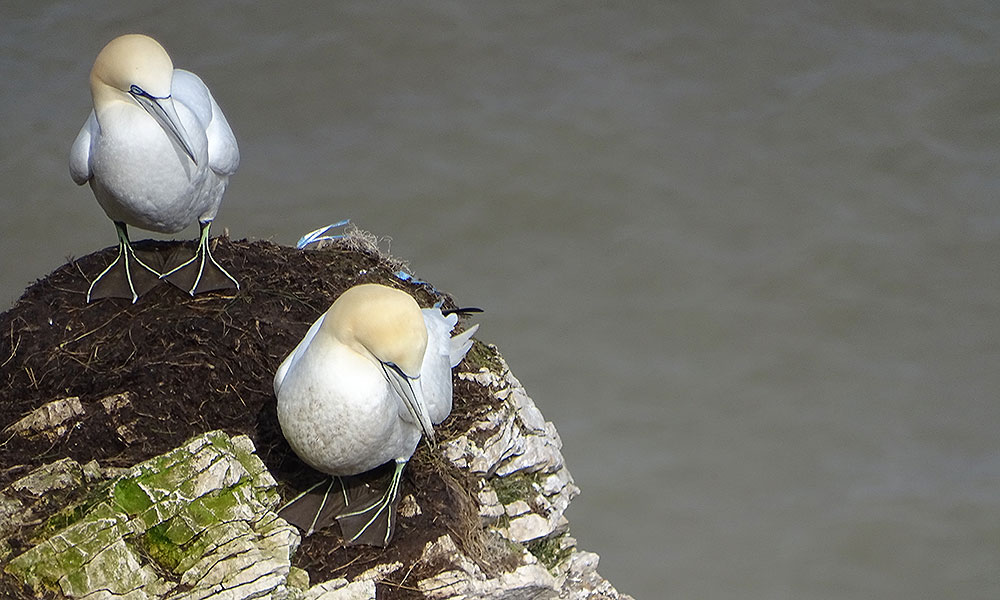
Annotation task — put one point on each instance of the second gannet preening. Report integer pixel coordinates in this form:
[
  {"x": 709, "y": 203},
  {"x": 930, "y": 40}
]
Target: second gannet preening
[
  {"x": 157, "y": 152},
  {"x": 371, "y": 376}
]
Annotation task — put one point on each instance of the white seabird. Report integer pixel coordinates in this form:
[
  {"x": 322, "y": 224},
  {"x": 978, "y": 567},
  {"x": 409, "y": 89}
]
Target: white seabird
[
  {"x": 157, "y": 152},
  {"x": 371, "y": 376}
]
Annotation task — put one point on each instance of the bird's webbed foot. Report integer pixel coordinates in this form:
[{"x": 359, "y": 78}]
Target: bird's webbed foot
[
  {"x": 201, "y": 273},
  {"x": 127, "y": 276}
]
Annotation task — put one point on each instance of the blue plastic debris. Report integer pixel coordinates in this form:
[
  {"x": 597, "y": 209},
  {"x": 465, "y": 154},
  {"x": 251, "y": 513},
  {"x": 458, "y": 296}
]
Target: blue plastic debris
[
  {"x": 404, "y": 276},
  {"x": 317, "y": 236}
]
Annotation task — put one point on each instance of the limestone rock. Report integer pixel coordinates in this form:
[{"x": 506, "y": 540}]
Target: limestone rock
[
  {"x": 519, "y": 452},
  {"x": 51, "y": 420},
  {"x": 193, "y": 523},
  {"x": 57, "y": 475},
  {"x": 117, "y": 407},
  {"x": 198, "y": 522},
  {"x": 580, "y": 581},
  {"x": 464, "y": 579},
  {"x": 525, "y": 492},
  {"x": 340, "y": 589}
]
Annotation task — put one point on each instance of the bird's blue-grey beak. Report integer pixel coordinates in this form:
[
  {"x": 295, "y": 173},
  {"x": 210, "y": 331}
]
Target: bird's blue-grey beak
[
  {"x": 162, "y": 109},
  {"x": 409, "y": 391}
]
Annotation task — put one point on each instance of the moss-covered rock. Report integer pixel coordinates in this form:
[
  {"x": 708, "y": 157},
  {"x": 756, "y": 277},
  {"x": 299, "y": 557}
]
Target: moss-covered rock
[{"x": 196, "y": 521}]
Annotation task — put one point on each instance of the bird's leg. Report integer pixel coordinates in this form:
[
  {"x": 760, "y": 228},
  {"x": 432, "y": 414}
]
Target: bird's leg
[
  {"x": 201, "y": 272},
  {"x": 374, "y": 524},
  {"x": 121, "y": 279}
]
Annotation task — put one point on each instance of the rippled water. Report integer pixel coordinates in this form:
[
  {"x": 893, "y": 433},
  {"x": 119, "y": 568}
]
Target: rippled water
[{"x": 745, "y": 256}]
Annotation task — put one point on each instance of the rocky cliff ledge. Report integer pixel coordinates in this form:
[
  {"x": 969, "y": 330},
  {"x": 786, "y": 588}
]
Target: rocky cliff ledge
[{"x": 141, "y": 455}]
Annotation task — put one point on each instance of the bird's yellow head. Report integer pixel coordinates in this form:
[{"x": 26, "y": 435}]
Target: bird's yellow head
[
  {"x": 384, "y": 322},
  {"x": 131, "y": 60},
  {"x": 136, "y": 69}
]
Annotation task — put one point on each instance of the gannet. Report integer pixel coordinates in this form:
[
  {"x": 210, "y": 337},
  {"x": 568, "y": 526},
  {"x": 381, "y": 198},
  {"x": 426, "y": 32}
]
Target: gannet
[
  {"x": 371, "y": 376},
  {"x": 157, "y": 152}
]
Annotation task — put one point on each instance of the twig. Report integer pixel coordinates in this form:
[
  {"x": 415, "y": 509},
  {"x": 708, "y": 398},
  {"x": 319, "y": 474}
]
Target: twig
[
  {"x": 94, "y": 330},
  {"x": 408, "y": 571},
  {"x": 348, "y": 563},
  {"x": 13, "y": 351},
  {"x": 400, "y": 584}
]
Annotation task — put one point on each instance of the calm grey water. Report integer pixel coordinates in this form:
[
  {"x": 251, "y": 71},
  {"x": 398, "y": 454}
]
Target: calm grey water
[{"x": 745, "y": 256}]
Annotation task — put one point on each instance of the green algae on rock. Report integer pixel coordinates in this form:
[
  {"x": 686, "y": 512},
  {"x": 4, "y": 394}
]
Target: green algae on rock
[{"x": 199, "y": 517}]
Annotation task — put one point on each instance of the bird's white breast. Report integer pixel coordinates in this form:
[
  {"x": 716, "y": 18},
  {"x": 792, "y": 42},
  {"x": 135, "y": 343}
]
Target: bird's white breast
[
  {"x": 140, "y": 177},
  {"x": 339, "y": 414}
]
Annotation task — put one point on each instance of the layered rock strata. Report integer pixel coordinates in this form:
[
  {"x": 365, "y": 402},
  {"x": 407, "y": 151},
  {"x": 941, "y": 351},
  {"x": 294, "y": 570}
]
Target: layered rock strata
[{"x": 198, "y": 521}]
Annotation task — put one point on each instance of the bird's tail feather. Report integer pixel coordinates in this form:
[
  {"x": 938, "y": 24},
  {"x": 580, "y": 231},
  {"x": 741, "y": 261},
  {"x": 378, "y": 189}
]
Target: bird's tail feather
[{"x": 460, "y": 345}]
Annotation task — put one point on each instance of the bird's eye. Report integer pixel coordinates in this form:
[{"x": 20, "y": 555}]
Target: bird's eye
[{"x": 138, "y": 91}]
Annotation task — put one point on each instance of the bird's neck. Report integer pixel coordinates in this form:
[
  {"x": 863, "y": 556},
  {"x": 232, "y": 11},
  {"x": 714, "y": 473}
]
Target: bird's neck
[{"x": 106, "y": 96}]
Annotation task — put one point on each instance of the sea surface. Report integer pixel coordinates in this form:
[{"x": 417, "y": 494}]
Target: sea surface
[{"x": 745, "y": 255}]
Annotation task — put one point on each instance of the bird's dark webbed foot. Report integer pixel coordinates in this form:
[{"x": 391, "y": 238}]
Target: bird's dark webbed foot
[
  {"x": 363, "y": 505},
  {"x": 201, "y": 273},
  {"x": 317, "y": 507},
  {"x": 374, "y": 524},
  {"x": 127, "y": 276}
]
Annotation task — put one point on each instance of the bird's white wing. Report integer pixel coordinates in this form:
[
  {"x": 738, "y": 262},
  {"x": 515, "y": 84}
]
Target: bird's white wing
[
  {"x": 190, "y": 90},
  {"x": 294, "y": 356},
  {"x": 223, "y": 153},
  {"x": 79, "y": 153},
  {"x": 443, "y": 353}
]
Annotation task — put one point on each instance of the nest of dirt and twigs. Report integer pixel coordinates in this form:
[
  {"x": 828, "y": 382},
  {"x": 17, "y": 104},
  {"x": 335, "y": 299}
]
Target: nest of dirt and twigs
[{"x": 194, "y": 364}]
